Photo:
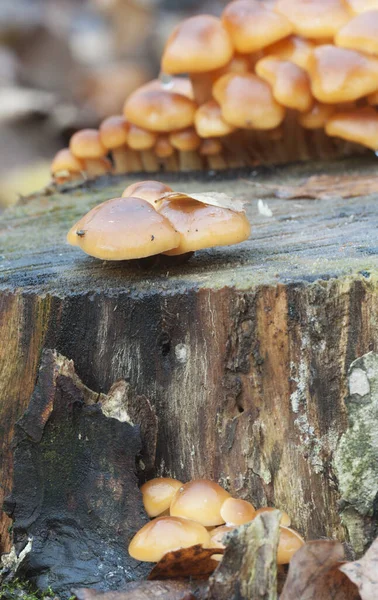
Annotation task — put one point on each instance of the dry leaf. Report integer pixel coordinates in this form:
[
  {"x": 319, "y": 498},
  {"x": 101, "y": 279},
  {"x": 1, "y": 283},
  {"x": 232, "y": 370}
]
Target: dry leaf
[
  {"x": 314, "y": 574},
  {"x": 146, "y": 590},
  {"x": 213, "y": 198},
  {"x": 324, "y": 187},
  {"x": 194, "y": 562},
  {"x": 364, "y": 573}
]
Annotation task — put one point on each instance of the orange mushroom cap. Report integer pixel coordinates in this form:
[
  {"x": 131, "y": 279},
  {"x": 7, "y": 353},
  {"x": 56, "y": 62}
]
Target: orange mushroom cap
[
  {"x": 360, "y": 6},
  {"x": 87, "y": 144},
  {"x": 166, "y": 534},
  {"x": 217, "y": 534},
  {"x": 149, "y": 190},
  {"x": 208, "y": 121},
  {"x": 202, "y": 226},
  {"x": 159, "y": 110},
  {"x": 339, "y": 75},
  {"x": 65, "y": 161},
  {"x": 185, "y": 140},
  {"x": 113, "y": 132},
  {"x": 289, "y": 542},
  {"x": 252, "y": 26},
  {"x": 247, "y": 102},
  {"x": 284, "y": 520},
  {"x": 293, "y": 48},
  {"x": 167, "y": 83},
  {"x": 140, "y": 139},
  {"x": 318, "y": 19},
  {"x": 317, "y": 116},
  {"x": 236, "y": 512},
  {"x": 359, "y": 125},
  {"x": 200, "y": 500},
  {"x": 291, "y": 84},
  {"x": 123, "y": 229},
  {"x": 158, "y": 494},
  {"x": 361, "y": 33},
  {"x": 197, "y": 45}
]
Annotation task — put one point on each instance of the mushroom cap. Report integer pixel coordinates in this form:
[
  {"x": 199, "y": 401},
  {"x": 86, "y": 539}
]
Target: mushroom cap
[
  {"x": 236, "y": 512},
  {"x": 113, "y": 132},
  {"x": 200, "y": 500},
  {"x": 247, "y": 102},
  {"x": 140, "y": 139},
  {"x": 284, "y": 520},
  {"x": 373, "y": 99},
  {"x": 87, "y": 144},
  {"x": 203, "y": 226},
  {"x": 291, "y": 84},
  {"x": 159, "y": 110},
  {"x": 185, "y": 140},
  {"x": 166, "y": 534},
  {"x": 123, "y": 229},
  {"x": 289, "y": 542},
  {"x": 168, "y": 83},
  {"x": 208, "y": 121},
  {"x": 361, "y": 33},
  {"x": 158, "y": 493},
  {"x": 293, "y": 48},
  {"x": 317, "y": 116},
  {"x": 360, "y": 6},
  {"x": 197, "y": 45},
  {"x": 252, "y": 26},
  {"x": 149, "y": 190},
  {"x": 318, "y": 19},
  {"x": 64, "y": 160},
  {"x": 217, "y": 535},
  {"x": 359, "y": 125},
  {"x": 211, "y": 147},
  {"x": 339, "y": 75},
  {"x": 163, "y": 147}
]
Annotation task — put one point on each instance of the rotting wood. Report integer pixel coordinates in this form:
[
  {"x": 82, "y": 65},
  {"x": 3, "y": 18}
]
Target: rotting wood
[{"x": 243, "y": 352}]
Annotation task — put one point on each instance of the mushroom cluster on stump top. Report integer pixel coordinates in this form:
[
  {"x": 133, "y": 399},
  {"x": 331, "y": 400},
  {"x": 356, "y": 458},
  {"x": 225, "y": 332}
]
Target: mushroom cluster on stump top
[
  {"x": 198, "y": 512},
  {"x": 231, "y": 87}
]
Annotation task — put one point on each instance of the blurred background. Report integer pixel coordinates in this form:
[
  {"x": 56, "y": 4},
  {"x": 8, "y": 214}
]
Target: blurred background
[{"x": 68, "y": 64}]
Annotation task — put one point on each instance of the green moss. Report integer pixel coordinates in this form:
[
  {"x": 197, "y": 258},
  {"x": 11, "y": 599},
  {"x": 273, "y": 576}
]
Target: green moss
[{"x": 23, "y": 590}]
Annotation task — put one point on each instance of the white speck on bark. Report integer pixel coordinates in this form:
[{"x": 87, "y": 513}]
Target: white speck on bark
[
  {"x": 358, "y": 383},
  {"x": 181, "y": 353}
]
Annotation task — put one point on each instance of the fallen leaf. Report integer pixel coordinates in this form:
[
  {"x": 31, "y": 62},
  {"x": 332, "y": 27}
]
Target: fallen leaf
[
  {"x": 213, "y": 198},
  {"x": 364, "y": 573},
  {"x": 147, "y": 590},
  {"x": 194, "y": 562},
  {"x": 314, "y": 574},
  {"x": 324, "y": 187}
]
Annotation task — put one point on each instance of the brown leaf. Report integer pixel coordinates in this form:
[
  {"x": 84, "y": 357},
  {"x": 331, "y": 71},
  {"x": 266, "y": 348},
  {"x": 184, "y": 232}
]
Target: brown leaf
[
  {"x": 147, "y": 590},
  {"x": 214, "y": 198},
  {"x": 314, "y": 574},
  {"x": 364, "y": 573},
  {"x": 326, "y": 186},
  {"x": 194, "y": 562}
]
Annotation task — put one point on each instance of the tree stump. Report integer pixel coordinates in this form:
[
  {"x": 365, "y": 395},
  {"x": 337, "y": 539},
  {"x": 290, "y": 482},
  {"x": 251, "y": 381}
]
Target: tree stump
[{"x": 243, "y": 352}]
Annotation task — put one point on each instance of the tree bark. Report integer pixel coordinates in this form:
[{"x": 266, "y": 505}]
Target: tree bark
[{"x": 243, "y": 353}]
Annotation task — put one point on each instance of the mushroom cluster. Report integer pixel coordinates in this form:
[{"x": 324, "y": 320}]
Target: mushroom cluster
[
  {"x": 151, "y": 219},
  {"x": 266, "y": 82},
  {"x": 197, "y": 512}
]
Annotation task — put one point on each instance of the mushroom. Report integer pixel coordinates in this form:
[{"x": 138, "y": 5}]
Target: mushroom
[
  {"x": 149, "y": 190},
  {"x": 284, "y": 520},
  {"x": 360, "y": 6},
  {"x": 211, "y": 149},
  {"x": 252, "y": 26},
  {"x": 235, "y": 511},
  {"x": 168, "y": 83},
  {"x": 339, "y": 75},
  {"x": 294, "y": 48},
  {"x": 123, "y": 229},
  {"x": 158, "y": 493},
  {"x": 166, "y": 534},
  {"x": 291, "y": 84},
  {"x": 186, "y": 142},
  {"x": 317, "y": 116},
  {"x": 66, "y": 166},
  {"x": 289, "y": 542},
  {"x": 113, "y": 135},
  {"x": 200, "y": 500},
  {"x": 359, "y": 125},
  {"x": 203, "y": 226},
  {"x": 317, "y": 19},
  {"x": 209, "y": 123},
  {"x": 197, "y": 46},
  {"x": 361, "y": 33},
  {"x": 159, "y": 111},
  {"x": 87, "y": 146},
  {"x": 247, "y": 102}
]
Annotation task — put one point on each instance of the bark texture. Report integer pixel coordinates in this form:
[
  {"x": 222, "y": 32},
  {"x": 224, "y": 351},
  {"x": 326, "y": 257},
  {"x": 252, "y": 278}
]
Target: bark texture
[{"x": 242, "y": 353}]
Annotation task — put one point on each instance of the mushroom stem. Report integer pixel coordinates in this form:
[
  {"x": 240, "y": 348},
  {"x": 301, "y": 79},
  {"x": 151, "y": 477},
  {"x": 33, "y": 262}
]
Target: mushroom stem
[
  {"x": 95, "y": 167},
  {"x": 170, "y": 163},
  {"x": 190, "y": 161},
  {"x": 120, "y": 159},
  {"x": 202, "y": 87},
  {"x": 134, "y": 162},
  {"x": 149, "y": 161}
]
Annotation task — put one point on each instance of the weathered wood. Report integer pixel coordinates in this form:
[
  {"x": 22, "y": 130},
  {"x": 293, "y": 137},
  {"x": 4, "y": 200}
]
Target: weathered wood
[{"x": 243, "y": 352}]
